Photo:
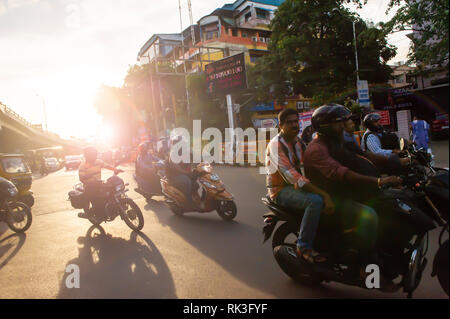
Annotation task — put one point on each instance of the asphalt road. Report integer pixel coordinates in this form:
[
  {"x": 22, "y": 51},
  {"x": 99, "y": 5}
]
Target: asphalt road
[{"x": 194, "y": 256}]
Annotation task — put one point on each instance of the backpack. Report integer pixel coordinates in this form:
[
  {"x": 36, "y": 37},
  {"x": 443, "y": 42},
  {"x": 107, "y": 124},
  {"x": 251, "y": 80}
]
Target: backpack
[{"x": 389, "y": 140}]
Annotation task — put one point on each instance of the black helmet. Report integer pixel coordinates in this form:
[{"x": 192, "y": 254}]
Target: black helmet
[
  {"x": 90, "y": 153},
  {"x": 329, "y": 114},
  {"x": 370, "y": 119}
]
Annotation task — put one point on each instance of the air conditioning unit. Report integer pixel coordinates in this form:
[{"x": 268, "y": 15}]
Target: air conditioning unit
[{"x": 254, "y": 39}]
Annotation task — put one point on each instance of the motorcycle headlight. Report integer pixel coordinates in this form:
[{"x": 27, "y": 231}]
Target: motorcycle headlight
[
  {"x": 214, "y": 177},
  {"x": 207, "y": 184},
  {"x": 13, "y": 191}
]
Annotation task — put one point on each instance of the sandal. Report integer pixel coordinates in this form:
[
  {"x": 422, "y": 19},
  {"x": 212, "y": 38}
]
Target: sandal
[{"x": 310, "y": 256}]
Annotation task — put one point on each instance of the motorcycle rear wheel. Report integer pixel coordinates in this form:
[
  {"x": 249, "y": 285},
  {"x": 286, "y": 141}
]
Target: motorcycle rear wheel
[
  {"x": 17, "y": 214},
  {"x": 176, "y": 209},
  {"x": 132, "y": 214},
  {"x": 280, "y": 237},
  {"x": 290, "y": 266}
]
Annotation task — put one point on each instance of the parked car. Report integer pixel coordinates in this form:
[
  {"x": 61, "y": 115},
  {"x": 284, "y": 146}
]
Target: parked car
[
  {"x": 51, "y": 164},
  {"x": 73, "y": 161},
  {"x": 439, "y": 127}
]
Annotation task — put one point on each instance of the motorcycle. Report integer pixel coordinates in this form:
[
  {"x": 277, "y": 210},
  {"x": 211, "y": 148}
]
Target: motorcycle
[
  {"x": 213, "y": 195},
  {"x": 116, "y": 203},
  {"x": 150, "y": 187},
  {"x": 407, "y": 215},
  {"x": 16, "y": 214}
]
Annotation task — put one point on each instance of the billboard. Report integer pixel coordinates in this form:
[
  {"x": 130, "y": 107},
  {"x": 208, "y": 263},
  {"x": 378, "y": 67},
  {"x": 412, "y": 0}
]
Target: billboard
[
  {"x": 226, "y": 76},
  {"x": 305, "y": 120},
  {"x": 385, "y": 118}
]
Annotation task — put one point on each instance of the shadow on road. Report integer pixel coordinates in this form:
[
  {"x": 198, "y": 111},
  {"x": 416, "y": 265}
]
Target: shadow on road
[
  {"x": 238, "y": 248},
  {"x": 9, "y": 247},
  {"x": 112, "y": 267}
]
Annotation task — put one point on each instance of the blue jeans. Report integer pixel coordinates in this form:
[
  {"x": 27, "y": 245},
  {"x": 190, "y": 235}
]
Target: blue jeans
[{"x": 312, "y": 205}]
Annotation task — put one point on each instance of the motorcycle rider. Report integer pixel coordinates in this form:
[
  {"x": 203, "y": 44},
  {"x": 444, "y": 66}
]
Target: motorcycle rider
[
  {"x": 323, "y": 166},
  {"x": 182, "y": 175},
  {"x": 374, "y": 135},
  {"x": 288, "y": 187},
  {"x": 349, "y": 128},
  {"x": 144, "y": 161},
  {"x": 90, "y": 174}
]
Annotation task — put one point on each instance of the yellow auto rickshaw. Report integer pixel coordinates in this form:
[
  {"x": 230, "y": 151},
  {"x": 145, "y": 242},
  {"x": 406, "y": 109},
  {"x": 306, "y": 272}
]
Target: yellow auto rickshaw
[{"x": 14, "y": 168}]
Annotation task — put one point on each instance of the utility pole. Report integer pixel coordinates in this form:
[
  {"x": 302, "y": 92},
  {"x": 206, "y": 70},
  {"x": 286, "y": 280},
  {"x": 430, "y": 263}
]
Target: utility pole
[
  {"x": 192, "y": 23},
  {"x": 354, "y": 39},
  {"x": 356, "y": 51},
  {"x": 44, "y": 110}
]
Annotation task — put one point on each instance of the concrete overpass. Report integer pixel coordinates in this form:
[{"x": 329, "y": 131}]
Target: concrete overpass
[{"x": 18, "y": 135}]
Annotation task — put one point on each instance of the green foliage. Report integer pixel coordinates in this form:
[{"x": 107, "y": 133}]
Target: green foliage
[
  {"x": 203, "y": 107},
  {"x": 312, "y": 51},
  {"x": 430, "y": 19}
]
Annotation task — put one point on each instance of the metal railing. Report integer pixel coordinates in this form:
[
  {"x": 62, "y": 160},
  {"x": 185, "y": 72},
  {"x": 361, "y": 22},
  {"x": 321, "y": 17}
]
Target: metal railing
[{"x": 14, "y": 115}]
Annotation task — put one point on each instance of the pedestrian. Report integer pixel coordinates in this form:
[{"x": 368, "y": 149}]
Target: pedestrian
[{"x": 420, "y": 131}]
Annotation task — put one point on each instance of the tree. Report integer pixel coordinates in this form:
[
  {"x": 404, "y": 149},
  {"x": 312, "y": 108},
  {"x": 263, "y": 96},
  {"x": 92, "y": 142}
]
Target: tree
[
  {"x": 429, "y": 19},
  {"x": 312, "y": 52}
]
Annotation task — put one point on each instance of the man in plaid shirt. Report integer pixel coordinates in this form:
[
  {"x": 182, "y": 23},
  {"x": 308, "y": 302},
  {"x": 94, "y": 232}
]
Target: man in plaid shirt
[{"x": 288, "y": 187}]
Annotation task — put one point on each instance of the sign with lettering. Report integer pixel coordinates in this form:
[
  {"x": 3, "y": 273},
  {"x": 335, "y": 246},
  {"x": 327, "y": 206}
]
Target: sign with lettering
[
  {"x": 363, "y": 93},
  {"x": 385, "y": 118},
  {"x": 226, "y": 76}
]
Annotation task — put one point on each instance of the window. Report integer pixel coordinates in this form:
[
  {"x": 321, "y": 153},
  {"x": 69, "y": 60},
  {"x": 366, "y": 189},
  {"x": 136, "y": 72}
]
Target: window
[
  {"x": 398, "y": 79},
  {"x": 261, "y": 14},
  {"x": 253, "y": 58},
  {"x": 211, "y": 35},
  {"x": 254, "y": 39},
  {"x": 244, "y": 34},
  {"x": 234, "y": 32}
]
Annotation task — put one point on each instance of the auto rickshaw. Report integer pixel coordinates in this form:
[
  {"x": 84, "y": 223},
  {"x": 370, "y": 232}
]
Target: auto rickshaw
[{"x": 14, "y": 168}]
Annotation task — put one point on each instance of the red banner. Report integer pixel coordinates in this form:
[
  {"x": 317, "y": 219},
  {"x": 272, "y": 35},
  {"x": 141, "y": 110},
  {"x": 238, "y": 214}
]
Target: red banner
[{"x": 385, "y": 118}]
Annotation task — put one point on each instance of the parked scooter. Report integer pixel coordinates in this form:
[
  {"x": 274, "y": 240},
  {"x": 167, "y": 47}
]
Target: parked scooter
[
  {"x": 16, "y": 214},
  {"x": 406, "y": 217},
  {"x": 213, "y": 195},
  {"x": 117, "y": 203}
]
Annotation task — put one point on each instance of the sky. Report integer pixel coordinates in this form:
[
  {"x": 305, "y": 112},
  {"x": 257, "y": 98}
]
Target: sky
[{"x": 56, "y": 53}]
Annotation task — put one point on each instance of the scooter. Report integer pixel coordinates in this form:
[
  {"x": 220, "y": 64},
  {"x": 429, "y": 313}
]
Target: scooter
[
  {"x": 406, "y": 217},
  {"x": 151, "y": 186},
  {"x": 213, "y": 196}
]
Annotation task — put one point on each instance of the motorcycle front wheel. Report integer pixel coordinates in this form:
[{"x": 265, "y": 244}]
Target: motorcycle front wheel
[
  {"x": 131, "y": 214},
  {"x": 19, "y": 217},
  {"x": 227, "y": 209}
]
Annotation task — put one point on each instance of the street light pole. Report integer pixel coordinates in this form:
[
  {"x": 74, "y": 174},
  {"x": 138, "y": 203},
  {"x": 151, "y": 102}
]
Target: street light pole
[
  {"x": 354, "y": 39},
  {"x": 45, "y": 112},
  {"x": 356, "y": 51}
]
